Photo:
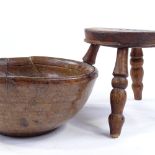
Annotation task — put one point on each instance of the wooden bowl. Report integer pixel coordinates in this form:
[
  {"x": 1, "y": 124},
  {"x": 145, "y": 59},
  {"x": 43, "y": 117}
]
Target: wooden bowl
[{"x": 38, "y": 94}]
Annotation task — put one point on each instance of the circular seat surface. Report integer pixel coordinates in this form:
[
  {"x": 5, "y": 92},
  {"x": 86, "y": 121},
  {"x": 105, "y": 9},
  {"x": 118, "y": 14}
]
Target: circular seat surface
[{"x": 120, "y": 37}]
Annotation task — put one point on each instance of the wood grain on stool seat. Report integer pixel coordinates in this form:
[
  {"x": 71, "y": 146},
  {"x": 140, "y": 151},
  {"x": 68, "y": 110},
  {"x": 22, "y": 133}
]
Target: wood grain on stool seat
[{"x": 120, "y": 37}]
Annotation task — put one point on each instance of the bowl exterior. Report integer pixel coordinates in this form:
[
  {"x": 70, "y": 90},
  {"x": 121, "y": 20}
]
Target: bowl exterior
[{"x": 31, "y": 107}]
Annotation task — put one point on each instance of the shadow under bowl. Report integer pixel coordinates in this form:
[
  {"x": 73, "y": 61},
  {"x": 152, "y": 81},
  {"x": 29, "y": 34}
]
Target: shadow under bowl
[{"x": 38, "y": 94}]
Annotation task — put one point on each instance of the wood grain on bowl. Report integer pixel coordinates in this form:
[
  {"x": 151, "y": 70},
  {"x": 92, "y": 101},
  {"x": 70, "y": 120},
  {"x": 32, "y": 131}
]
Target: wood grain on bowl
[{"x": 38, "y": 94}]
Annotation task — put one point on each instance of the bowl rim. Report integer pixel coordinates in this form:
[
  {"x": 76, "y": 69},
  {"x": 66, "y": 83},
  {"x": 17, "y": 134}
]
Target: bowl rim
[{"x": 91, "y": 74}]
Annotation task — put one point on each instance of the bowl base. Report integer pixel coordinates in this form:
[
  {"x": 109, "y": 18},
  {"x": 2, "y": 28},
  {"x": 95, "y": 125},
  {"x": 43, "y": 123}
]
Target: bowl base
[{"x": 27, "y": 135}]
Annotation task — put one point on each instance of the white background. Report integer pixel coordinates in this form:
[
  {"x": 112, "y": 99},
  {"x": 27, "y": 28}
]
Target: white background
[{"x": 56, "y": 28}]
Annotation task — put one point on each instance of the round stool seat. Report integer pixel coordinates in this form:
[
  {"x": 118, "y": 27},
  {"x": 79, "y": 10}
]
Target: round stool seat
[{"x": 120, "y": 38}]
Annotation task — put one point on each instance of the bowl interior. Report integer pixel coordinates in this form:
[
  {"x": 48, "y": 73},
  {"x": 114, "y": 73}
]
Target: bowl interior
[{"x": 43, "y": 67}]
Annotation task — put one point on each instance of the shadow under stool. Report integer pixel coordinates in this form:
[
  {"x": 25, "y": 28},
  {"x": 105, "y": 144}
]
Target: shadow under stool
[{"x": 122, "y": 39}]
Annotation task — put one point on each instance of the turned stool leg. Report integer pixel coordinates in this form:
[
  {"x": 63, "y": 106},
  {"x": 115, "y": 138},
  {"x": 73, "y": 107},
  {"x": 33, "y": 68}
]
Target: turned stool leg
[
  {"x": 118, "y": 93},
  {"x": 91, "y": 54},
  {"x": 137, "y": 72}
]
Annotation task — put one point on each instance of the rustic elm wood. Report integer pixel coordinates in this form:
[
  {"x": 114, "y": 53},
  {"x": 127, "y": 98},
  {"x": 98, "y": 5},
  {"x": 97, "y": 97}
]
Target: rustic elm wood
[
  {"x": 91, "y": 54},
  {"x": 122, "y": 39},
  {"x": 38, "y": 94},
  {"x": 118, "y": 94},
  {"x": 137, "y": 72}
]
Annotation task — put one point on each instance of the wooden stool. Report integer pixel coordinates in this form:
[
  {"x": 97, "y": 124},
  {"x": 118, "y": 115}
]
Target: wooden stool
[{"x": 122, "y": 39}]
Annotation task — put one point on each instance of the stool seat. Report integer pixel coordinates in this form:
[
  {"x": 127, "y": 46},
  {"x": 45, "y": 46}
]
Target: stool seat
[{"x": 120, "y": 38}]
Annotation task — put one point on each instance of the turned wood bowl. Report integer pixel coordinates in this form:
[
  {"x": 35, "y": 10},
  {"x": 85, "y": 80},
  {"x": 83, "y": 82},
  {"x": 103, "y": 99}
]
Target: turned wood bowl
[{"x": 38, "y": 94}]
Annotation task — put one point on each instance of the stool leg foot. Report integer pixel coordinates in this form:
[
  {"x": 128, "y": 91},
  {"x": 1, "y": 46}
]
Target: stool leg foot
[
  {"x": 91, "y": 54},
  {"x": 137, "y": 72},
  {"x": 118, "y": 93}
]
